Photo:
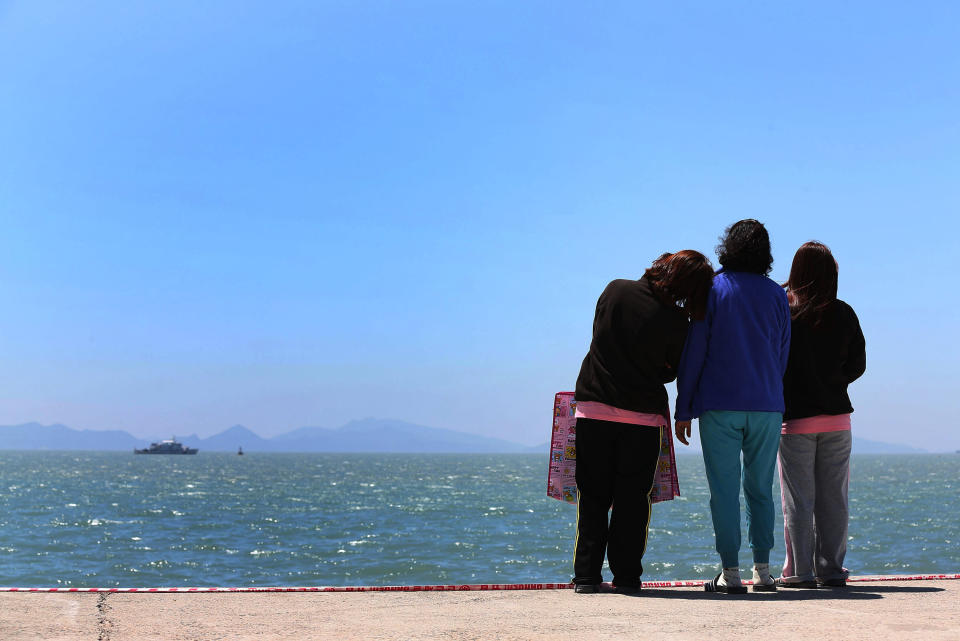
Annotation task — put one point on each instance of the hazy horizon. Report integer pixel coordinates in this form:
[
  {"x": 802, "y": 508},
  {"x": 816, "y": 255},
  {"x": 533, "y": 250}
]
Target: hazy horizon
[
  {"x": 680, "y": 449},
  {"x": 229, "y": 213}
]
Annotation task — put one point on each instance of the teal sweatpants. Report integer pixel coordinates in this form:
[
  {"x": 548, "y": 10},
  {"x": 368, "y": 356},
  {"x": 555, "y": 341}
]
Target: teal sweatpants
[{"x": 724, "y": 435}]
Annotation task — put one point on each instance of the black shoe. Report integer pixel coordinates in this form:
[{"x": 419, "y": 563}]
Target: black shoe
[
  {"x": 586, "y": 588},
  {"x": 833, "y": 583},
  {"x": 626, "y": 589},
  {"x": 806, "y": 585},
  {"x": 764, "y": 587}
]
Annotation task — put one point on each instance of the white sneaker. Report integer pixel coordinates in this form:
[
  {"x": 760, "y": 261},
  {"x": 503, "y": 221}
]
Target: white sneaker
[{"x": 762, "y": 581}]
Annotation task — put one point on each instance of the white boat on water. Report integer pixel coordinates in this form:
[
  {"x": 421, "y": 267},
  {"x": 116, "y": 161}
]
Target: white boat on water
[{"x": 170, "y": 446}]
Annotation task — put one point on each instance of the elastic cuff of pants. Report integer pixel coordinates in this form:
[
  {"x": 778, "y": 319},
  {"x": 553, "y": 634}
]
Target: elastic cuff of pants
[
  {"x": 761, "y": 556},
  {"x": 733, "y": 562}
]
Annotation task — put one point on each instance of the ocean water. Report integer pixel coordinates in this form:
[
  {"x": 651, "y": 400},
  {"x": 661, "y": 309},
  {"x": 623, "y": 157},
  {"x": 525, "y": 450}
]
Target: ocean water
[{"x": 85, "y": 519}]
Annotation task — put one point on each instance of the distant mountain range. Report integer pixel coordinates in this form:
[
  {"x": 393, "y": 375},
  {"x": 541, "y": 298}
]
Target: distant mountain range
[
  {"x": 367, "y": 435},
  {"x": 863, "y": 446}
]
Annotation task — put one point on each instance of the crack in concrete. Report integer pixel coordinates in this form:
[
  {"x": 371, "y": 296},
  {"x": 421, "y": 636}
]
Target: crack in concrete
[{"x": 103, "y": 623}]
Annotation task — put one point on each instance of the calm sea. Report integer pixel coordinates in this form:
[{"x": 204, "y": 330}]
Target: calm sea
[{"x": 114, "y": 519}]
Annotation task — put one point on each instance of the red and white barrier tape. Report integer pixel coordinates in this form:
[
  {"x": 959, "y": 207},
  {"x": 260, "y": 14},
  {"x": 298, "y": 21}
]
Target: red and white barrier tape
[
  {"x": 455, "y": 588},
  {"x": 356, "y": 588},
  {"x": 903, "y": 577}
]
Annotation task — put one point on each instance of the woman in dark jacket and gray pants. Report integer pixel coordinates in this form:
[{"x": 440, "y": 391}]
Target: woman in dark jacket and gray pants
[{"x": 827, "y": 353}]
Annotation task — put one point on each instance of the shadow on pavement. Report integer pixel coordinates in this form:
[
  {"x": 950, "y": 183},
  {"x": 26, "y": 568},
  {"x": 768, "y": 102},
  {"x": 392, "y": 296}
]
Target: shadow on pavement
[
  {"x": 850, "y": 593},
  {"x": 782, "y": 595},
  {"x": 889, "y": 588}
]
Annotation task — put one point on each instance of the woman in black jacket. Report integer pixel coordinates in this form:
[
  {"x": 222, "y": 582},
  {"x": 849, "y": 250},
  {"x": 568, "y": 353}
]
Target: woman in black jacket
[
  {"x": 638, "y": 335},
  {"x": 827, "y": 353}
]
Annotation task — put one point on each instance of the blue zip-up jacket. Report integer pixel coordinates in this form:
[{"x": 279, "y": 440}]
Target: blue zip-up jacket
[{"x": 735, "y": 358}]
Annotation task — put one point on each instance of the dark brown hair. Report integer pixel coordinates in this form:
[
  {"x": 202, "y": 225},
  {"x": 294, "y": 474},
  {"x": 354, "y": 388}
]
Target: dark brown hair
[
  {"x": 812, "y": 285},
  {"x": 683, "y": 279}
]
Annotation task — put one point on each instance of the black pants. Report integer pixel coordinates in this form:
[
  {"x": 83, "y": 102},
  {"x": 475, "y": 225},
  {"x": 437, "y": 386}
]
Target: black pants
[{"x": 616, "y": 465}]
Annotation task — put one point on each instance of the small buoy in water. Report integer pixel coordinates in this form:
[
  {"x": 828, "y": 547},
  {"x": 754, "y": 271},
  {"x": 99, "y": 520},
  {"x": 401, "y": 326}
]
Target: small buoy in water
[{"x": 240, "y": 452}]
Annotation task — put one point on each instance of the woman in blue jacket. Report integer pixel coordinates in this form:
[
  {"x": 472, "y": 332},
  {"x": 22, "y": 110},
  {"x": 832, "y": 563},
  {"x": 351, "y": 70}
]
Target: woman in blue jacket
[{"x": 731, "y": 378}]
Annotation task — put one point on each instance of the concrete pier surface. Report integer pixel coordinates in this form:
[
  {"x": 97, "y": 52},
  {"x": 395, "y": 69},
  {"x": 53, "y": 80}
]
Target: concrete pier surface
[{"x": 927, "y": 610}]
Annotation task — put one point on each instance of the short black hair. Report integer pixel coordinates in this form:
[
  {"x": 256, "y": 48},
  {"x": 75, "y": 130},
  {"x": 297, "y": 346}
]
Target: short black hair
[{"x": 745, "y": 247}]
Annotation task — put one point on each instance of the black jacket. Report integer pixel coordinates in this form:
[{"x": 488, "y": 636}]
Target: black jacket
[
  {"x": 637, "y": 341},
  {"x": 824, "y": 359}
]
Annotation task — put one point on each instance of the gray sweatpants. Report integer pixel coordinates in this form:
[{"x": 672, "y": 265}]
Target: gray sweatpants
[{"x": 814, "y": 477}]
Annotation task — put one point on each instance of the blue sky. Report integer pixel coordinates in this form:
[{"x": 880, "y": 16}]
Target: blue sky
[{"x": 303, "y": 213}]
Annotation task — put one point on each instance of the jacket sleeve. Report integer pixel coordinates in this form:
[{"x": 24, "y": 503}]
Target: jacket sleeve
[
  {"x": 856, "y": 363},
  {"x": 785, "y": 336},
  {"x": 691, "y": 366}
]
